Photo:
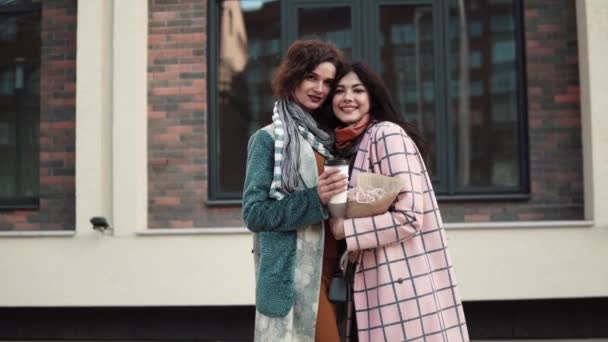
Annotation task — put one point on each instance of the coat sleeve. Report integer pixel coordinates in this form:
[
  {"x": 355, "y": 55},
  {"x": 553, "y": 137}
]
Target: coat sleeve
[
  {"x": 263, "y": 213},
  {"x": 393, "y": 153}
]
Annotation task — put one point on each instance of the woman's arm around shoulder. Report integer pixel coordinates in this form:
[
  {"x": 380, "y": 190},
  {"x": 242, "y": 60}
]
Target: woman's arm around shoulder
[
  {"x": 263, "y": 213},
  {"x": 393, "y": 153}
]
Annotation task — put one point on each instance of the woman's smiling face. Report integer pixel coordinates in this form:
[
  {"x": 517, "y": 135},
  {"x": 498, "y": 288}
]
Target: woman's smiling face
[
  {"x": 314, "y": 88},
  {"x": 351, "y": 99}
]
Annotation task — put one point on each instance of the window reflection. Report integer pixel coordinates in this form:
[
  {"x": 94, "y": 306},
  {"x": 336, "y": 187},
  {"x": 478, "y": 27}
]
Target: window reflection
[
  {"x": 19, "y": 99},
  {"x": 407, "y": 66},
  {"x": 327, "y": 23},
  {"x": 467, "y": 109},
  {"x": 248, "y": 53},
  {"x": 484, "y": 94}
]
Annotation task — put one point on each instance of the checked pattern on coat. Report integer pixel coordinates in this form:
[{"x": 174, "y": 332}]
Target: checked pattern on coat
[{"x": 404, "y": 286}]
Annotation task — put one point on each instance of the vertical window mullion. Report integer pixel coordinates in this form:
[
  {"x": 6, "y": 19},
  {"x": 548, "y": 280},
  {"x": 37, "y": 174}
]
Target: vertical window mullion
[
  {"x": 522, "y": 103},
  {"x": 444, "y": 136},
  {"x": 213, "y": 127},
  {"x": 358, "y": 21},
  {"x": 445, "y": 117},
  {"x": 371, "y": 52},
  {"x": 288, "y": 16}
]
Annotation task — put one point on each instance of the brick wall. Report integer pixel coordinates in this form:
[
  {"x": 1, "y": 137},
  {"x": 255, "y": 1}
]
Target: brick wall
[
  {"x": 178, "y": 115},
  {"x": 57, "y": 124},
  {"x": 177, "y": 118}
]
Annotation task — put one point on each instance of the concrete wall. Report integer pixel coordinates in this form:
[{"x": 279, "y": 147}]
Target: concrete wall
[{"x": 213, "y": 266}]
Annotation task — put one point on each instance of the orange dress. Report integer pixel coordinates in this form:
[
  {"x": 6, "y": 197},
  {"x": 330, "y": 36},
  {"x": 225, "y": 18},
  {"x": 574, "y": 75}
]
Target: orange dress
[{"x": 327, "y": 328}]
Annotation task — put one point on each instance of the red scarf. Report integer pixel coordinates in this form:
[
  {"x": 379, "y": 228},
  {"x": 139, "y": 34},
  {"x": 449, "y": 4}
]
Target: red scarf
[{"x": 346, "y": 136}]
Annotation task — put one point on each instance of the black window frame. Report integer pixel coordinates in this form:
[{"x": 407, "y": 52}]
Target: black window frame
[
  {"x": 364, "y": 13},
  {"x": 21, "y": 202}
]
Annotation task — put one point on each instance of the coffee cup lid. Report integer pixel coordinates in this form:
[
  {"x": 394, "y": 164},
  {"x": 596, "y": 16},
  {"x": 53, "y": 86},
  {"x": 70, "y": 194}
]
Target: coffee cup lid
[{"x": 336, "y": 162}]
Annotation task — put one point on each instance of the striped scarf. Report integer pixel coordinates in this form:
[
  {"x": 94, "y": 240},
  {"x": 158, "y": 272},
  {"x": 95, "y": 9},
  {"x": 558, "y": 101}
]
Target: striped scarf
[{"x": 290, "y": 121}]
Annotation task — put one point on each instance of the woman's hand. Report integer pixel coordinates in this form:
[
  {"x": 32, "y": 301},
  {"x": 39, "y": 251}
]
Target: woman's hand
[
  {"x": 337, "y": 227},
  {"x": 331, "y": 182}
]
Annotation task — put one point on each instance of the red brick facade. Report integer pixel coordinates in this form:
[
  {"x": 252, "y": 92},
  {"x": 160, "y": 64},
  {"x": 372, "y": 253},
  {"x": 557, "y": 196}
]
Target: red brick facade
[
  {"x": 178, "y": 157},
  {"x": 57, "y": 124},
  {"x": 177, "y": 118}
]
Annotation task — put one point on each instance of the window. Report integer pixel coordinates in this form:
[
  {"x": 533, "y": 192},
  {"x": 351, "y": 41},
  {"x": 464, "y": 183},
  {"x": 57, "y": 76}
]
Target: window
[
  {"x": 19, "y": 102},
  {"x": 454, "y": 67}
]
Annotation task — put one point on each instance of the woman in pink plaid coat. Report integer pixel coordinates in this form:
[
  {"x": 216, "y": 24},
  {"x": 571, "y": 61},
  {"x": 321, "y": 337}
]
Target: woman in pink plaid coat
[{"x": 404, "y": 286}]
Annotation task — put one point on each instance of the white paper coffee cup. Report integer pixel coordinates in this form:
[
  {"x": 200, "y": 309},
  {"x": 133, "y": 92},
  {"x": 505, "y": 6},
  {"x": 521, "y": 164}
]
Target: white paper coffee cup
[{"x": 337, "y": 203}]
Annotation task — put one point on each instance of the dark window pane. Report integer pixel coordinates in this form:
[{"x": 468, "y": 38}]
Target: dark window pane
[
  {"x": 458, "y": 81},
  {"x": 249, "y": 51},
  {"x": 407, "y": 66},
  {"x": 327, "y": 23},
  {"x": 19, "y": 100},
  {"x": 483, "y": 101}
]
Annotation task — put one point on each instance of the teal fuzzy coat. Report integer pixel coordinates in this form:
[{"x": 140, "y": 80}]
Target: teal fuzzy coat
[{"x": 288, "y": 243}]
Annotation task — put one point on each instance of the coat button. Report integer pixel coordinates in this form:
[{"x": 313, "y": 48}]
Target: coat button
[{"x": 400, "y": 280}]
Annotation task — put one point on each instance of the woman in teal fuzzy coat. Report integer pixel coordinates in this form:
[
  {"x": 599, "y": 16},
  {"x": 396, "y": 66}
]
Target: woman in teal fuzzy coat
[{"x": 285, "y": 198}]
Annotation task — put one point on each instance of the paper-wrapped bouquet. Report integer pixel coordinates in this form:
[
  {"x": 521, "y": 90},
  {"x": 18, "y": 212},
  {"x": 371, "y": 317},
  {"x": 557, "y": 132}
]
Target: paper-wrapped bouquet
[{"x": 373, "y": 195}]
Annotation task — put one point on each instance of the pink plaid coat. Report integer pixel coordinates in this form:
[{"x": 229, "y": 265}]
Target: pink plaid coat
[{"x": 404, "y": 285}]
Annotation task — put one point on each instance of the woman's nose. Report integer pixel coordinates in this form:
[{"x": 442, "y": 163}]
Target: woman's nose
[
  {"x": 348, "y": 96},
  {"x": 319, "y": 86}
]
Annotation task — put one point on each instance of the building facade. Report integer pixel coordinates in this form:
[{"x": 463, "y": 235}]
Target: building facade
[{"x": 139, "y": 112}]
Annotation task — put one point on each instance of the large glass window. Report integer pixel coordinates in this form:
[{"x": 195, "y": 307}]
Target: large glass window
[
  {"x": 249, "y": 49},
  {"x": 19, "y": 102},
  {"x": 485, "y": 120},
  {"x": 407, "y": 65},
  {"x": 331, "y": 23},
  {"x": 454, "y": 68}
]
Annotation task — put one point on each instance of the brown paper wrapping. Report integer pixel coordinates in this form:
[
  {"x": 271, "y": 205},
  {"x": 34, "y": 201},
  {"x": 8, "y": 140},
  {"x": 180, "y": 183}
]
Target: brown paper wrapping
[{"x": 392, "y": 186}]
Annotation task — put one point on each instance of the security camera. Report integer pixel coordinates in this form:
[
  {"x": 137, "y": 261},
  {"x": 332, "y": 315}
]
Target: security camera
[{"x": 101, "y": 224}]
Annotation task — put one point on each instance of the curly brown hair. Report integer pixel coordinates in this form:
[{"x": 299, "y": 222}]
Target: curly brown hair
[{"x": 303, "y": 56}]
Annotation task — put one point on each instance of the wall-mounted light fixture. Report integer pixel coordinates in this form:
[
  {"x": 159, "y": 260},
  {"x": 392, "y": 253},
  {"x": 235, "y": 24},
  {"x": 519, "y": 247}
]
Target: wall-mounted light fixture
[{"x": 101, "y": 225}]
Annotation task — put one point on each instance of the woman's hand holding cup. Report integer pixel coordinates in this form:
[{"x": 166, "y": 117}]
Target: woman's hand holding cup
[{"x": 331, "y": 182}]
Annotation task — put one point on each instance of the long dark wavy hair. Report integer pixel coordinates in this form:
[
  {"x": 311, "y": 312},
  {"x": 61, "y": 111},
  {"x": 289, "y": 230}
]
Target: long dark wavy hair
[{"x": 382, "y": 107}]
